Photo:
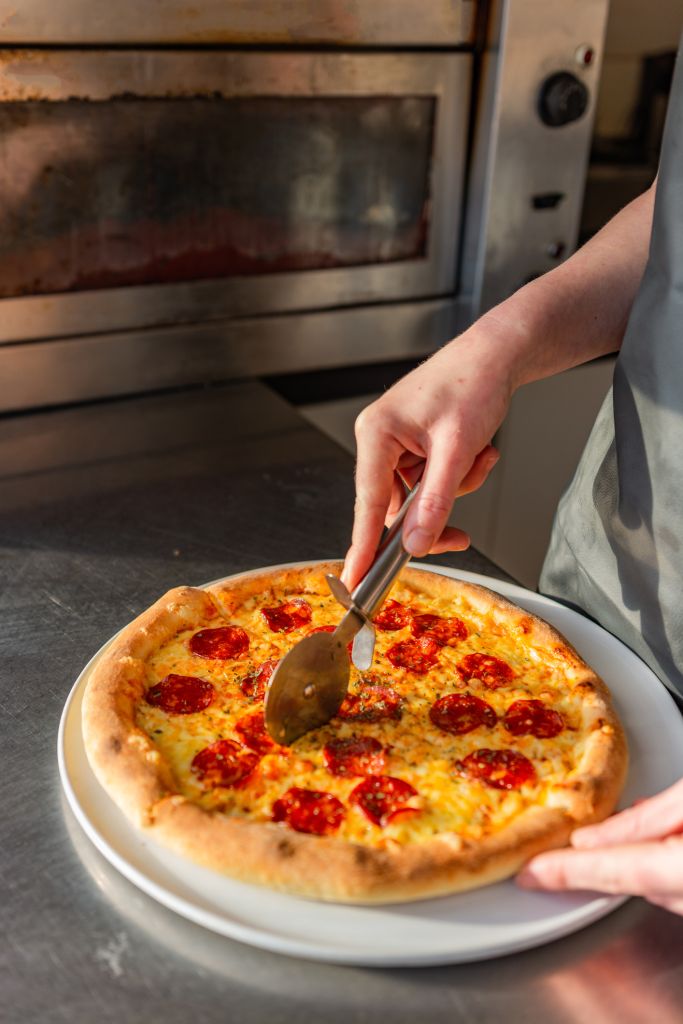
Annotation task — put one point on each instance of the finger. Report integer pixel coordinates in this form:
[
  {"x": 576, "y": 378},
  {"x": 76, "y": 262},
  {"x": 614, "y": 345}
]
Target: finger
[
  {"x": 408, "y": 471},
  {"x": 377, "y": 457},
  {"x": 659, "y": 816},
  {"x": 481, "y": 467},
  {"x": 451, "y": 539},
  {"x": 641, "y": 869},
  {"x": 410, "y": 467},
  {"x": 363, "y": 548},
  {"x": 444, "y": 471},
  {"x": 369, "y": 516},
  {"x": 398, "y": 496},
  {"x": 672, "y": 903}
]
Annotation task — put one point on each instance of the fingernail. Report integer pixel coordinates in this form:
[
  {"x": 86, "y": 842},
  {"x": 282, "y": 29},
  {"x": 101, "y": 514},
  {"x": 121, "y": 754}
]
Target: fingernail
[
  {"x": 418, "y": 541},
  {"x": 344, "y": 575}
]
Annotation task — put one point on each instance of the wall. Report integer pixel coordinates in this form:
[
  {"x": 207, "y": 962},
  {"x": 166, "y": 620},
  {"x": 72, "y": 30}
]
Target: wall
[{"x": 634, "y": 29}]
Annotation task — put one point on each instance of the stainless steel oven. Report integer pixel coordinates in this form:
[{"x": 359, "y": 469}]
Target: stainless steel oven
[{"x": 246, "y": 188}]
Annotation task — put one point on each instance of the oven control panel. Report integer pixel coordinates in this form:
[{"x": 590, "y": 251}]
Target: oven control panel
[{"x": 540, "y": 74}]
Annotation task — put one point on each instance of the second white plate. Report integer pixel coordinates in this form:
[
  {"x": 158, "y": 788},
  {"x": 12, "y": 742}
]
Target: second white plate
[{"x": 471, "y": 926}]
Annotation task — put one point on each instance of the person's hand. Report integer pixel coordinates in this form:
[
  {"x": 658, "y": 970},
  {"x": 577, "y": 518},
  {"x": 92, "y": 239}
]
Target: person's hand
[
  {"x": 436, "y": 423},
  {"x": 638, "y": 853}
]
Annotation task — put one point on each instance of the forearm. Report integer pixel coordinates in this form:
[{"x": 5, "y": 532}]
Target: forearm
[
  {"x": 439, "y": 420},
  {"x": 578, "y": 311}
]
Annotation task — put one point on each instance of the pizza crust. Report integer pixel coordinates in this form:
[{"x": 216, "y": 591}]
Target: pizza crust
[
  {"x": 141, "y": 782},
  {"x": 325, "y": 868},
  {"x": 123, "y": 757}
]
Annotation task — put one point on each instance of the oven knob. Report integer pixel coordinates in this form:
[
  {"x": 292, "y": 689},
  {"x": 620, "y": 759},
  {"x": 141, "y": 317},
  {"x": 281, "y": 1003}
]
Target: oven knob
[{"x": 563, "y": 98}]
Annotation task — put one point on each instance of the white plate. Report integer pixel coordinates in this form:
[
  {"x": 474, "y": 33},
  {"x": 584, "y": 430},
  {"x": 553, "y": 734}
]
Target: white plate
[{"x": 472, "y": 926}]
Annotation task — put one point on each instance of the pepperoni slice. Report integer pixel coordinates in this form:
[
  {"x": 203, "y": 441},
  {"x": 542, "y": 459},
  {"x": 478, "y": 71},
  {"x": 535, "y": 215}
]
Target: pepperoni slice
[
  {"x": 380, "y": 797},
  {"x": 224, "y": 763},
  {"x": 358, "y": 755},
  {"x": 417, "y": 655},
  {"x": 459, "y": 713},
  {"x": 532, "y": 716},
  {"x": 501, "y": 769},
  {"x": 444, "y": 632},
  {"x": 225, "y": 642},
  {"x": 393, "y": 615},
  {"x": 372, "y": 703},
  {"x": 492, "y": 672},
  {"x": 251, "y": 729},
  {"x": 283, "y": 618},
  {"x": 253, "y": 685},
  {"x": 181, "y": 695},
  {"x": 309, "y": 810}
]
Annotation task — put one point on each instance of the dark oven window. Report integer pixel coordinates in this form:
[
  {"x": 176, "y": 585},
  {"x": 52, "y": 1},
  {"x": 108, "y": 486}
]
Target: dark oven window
[{"x": 139, "y": 191}]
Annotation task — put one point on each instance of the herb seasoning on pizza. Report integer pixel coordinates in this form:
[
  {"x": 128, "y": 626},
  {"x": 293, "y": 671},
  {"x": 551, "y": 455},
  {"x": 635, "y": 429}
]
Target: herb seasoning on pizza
[{"x": 478, "y": 739}]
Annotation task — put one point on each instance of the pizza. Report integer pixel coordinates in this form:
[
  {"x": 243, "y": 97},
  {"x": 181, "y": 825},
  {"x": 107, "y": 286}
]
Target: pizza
[{"x": 478, "y": 738}]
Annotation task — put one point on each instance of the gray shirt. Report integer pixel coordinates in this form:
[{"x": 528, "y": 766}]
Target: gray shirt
[{"x": 616, "y": 550}]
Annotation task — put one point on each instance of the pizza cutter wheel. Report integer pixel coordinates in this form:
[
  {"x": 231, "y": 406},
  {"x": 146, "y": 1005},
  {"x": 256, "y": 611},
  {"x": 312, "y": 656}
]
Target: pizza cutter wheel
[{"x": 308, "y": 686}]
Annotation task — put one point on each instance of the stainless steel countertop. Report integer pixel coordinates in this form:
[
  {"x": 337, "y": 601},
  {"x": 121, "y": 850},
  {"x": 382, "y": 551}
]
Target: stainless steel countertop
[{"x": 102, "y": 508}]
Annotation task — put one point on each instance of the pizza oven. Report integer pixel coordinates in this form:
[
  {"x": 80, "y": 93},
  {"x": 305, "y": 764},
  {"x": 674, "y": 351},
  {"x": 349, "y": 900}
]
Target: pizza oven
[{"x": 229, "y": 189}]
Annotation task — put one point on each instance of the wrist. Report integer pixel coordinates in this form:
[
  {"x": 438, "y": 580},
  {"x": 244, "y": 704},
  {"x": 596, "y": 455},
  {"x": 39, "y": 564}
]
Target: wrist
[{"x": 498, "y": 345}]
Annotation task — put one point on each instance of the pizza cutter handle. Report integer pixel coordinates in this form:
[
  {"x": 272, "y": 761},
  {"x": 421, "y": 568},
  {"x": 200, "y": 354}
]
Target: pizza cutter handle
[{"x": 391, "y": 556}]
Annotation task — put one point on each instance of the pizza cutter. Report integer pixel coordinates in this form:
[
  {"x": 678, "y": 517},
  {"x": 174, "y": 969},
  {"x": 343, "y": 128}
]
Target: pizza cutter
[{"x": 310, "y": 683}]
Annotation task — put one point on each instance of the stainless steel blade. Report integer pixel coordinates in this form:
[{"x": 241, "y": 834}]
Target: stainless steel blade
[
  {"x": 338, "y": 590},
  {"x": 363, "y": 647},
  {"x": 364, "y": 641},
  {"x": 308, "y": 686}
]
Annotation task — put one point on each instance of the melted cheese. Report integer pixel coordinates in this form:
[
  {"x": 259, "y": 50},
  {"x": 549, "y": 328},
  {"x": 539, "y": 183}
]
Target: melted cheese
[{"x": 418, "y": 751}]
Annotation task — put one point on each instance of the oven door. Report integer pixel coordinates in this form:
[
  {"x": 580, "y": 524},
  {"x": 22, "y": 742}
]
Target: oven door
[{"x": 148, "y": 188}]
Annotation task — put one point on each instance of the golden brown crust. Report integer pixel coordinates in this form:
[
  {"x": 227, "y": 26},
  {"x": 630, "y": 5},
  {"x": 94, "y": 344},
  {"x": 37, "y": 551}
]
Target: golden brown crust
[
  {"x": 133, "y": 771},
  {"x": 124, "y": 759},
  {"x": 325, "y": 868},
  {"x": 305, "y": 579}
]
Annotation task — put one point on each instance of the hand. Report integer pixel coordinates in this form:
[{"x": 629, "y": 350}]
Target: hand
[
  {"x": 638, "y": 852},
  {"x": 437, "y": 422}
]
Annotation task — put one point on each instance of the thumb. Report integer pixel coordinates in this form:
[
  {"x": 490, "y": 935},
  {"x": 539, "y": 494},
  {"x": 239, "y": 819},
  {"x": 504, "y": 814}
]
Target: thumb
[{"x": 444, "y": 470}]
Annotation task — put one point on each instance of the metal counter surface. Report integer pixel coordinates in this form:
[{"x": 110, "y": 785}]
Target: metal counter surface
[{"x": 102, "y": 508}]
